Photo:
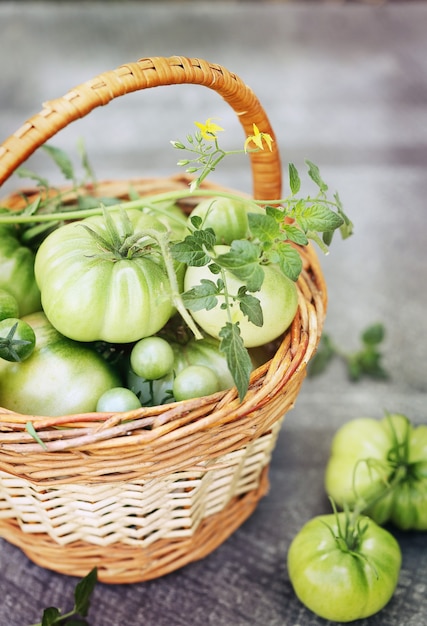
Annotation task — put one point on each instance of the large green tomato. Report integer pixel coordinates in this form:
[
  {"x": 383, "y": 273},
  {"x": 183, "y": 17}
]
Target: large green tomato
[
  {"x": 204, "y": 352},
  {"x": 383, "y": 462},
  {"x": 343, "y": 580},
  {"x": 278, "y": 297},
  {"x": 171, "y": 215},
  {"x": 61, "y": 377},
  {"x": 92, "y": 293},
  {"x": 228, "y": 217},
  {"x": 17, "y": 270}
]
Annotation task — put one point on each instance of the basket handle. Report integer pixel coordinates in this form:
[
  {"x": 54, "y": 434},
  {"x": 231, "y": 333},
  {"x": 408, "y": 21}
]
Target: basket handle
[{"x": 145, "y": 73}]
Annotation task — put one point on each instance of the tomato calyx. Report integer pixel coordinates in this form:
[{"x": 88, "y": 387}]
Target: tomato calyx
[
  {"x": 115, "y": 246},
  {"x": 392, "y": 472},
  {"x": 12, "y": 347},
  {"x": 350, "y": 533}
]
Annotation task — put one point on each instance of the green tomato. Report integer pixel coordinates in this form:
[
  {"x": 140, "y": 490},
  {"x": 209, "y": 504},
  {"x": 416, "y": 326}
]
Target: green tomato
[
  {"x": 339, "y": 581},
  {"x": 170, "y": 214},
  {"x": 152, "y": 358},
  {"x": 226, "y": 216},
  {"x": 195, "y": 381},
  {"x": 384, "y": 462},
  {"x": 195, "y": 352},
  {"x": 278, "y": 297},
  {"x": 17, "y": 340},
  {"x": 17, "y": 270},
  {"x": 92, "y": 294},
  {"x": 61, "y": 377},
  {"x": 118, "y": 400},
  {"x": 8, "y": 305}
]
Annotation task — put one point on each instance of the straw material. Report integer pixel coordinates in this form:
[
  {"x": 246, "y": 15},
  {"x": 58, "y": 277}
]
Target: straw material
[{"x": 143, "y": 493}]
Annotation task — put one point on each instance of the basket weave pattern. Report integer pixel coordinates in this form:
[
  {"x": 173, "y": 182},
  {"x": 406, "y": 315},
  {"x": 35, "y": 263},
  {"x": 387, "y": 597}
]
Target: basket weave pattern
[{"x": 140, "y": 494}]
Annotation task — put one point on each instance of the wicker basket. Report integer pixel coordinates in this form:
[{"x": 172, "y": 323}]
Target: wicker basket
[{"x": 143, "y": 498}]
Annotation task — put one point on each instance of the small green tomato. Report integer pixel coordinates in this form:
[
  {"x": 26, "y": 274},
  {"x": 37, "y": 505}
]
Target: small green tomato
[
  {"x": 228, "y": 217},
  {"x": 152, "y": 358},
  {"x": 195, "y": 381},
  {"x": 118, "y": 400}
]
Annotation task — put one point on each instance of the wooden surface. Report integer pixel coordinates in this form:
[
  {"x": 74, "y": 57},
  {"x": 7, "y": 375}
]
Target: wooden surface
[{"x": 345, "y": 86}]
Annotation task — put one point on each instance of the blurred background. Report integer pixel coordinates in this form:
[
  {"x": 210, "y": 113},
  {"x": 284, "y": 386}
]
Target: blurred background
[{"x": 344, "y": 85}]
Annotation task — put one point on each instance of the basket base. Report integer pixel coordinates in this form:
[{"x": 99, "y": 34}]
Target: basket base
[{"x": 120, "y": 563}]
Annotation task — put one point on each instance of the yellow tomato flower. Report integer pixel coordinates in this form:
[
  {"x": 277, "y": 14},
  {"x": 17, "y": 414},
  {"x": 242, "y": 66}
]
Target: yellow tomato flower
[
  {"x": 209, "y": 129},
  {"x": 257, "y": 138}
]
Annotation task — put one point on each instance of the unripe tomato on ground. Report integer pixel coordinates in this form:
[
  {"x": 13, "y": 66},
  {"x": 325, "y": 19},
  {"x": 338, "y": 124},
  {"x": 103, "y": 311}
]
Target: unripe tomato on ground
[
  {"x": 343, "y": 580},
  {"x": 383, "y": 462}
]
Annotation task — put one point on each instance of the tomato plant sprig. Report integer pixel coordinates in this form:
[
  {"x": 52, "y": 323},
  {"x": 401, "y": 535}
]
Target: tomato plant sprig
[
  {"x": 82, "y": 598},
  {"x": 273, "y": 239},
  {"x": 366, "y": 361}
]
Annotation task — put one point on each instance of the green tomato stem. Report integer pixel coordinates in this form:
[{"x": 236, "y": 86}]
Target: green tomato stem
[
  {"x": 60, "y": 619},
  {"x": 163, "y": 242},
  {"x": 79, "y": 214},
  {"x": 147, "y": 201}
]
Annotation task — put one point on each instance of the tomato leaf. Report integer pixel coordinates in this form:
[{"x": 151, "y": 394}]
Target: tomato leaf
[
  {"x": 192, "y": 250},
  {"x": 317, "y": 217},
  {"x": 84, "y": 157},
  {"x": 23, "y": 172},
  {"x": 367, "y": 361},
  {"x": 203, "y": 296},
  {"x": 29, "y": 427},
  {"x": 295, "y": 234},
  {"x": 314, "y": 173},
  {"x": 275, "y": 213},
  {"x": 251, "y": 307},
  {"x": 197, "y": 221},
  {"x": 288, "y": 259},
  {"x": 346, "y": 229},
  {"x": 83, "y": 592},
  {"x": 238, "y": 359},
  {"x": 324, "y": 355},
  {"x": 50, "y": 616},
  {"x": 264, "y": 227},
  {"x": 294, "y": 179},
  {"x": 373, "y": 334},
  {"x": 242, "y": 260},
  {"x": 62, "y": 160}
]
